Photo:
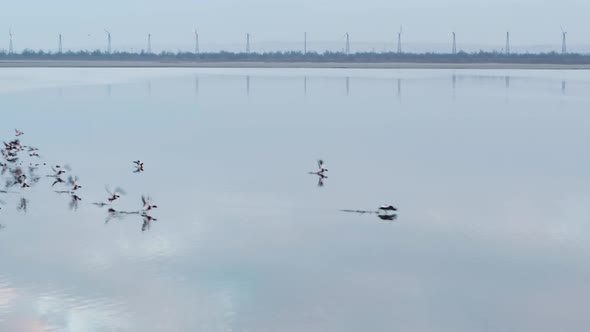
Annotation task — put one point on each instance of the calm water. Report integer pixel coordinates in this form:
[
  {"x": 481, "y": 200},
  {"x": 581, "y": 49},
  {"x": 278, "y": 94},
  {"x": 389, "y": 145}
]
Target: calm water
[{"x": 490, "y": 171}]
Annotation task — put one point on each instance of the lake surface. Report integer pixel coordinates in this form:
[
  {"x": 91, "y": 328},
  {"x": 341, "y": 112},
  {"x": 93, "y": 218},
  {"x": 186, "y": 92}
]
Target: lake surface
[{"x": 490, "y": 171}]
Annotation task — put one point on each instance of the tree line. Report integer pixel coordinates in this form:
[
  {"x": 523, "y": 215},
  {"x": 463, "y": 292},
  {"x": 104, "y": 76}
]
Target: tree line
[{"x": 294, "y": 56}]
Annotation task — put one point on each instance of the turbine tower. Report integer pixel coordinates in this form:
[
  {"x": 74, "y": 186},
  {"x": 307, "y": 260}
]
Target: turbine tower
[
  {"x": 196, "y": 42},
  {"x": 305, "y": 43},
  {"x": 149, "y": 45},
  {"x": 399, "y": 40},
  {"x": 563, "y": 44},
  {"x": 507, "y": 42},
  {"x": 108, "y": 41},
  {"x": 59, "y": 45},
  {"x": 454, "y": 43},
  {"x": 247, "y": 42},
  {"x": 347, "y": 49},
  {"x": 10, "y": 51}
]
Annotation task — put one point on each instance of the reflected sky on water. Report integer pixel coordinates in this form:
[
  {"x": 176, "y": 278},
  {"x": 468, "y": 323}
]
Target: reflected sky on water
[{"x": 488, "y": 169}]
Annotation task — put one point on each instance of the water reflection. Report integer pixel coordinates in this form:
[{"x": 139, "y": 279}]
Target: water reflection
[
  {"x": 455, "y": 78},
  {"x": 389, "y": 217},
  {"x": 229, "y": 244},
  {"x": 383, "y": 215},
  {"x": 454, "y": 86},
  {"x": 248, "y": 85},
  {"x": 399, "y": 90},
  {"x": 347, "y": 82},
  {"x": 321, "y": 179},
  {"x": 23, "y": 204}
]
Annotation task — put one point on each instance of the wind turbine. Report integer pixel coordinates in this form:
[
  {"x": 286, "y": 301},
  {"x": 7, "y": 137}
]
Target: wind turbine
[
  {"x": 109, "y": 41},
  {"x": 149, "y": 45},
  {"x": 454, "y": 43},
  {"x": 563, "y": 44},
  {"x": 347, "y": 48},
  {"x": 248, "y": 48},
  {"x": 196, "y": 42},
  {"x": 59, "y": 46},
  {"x": 399, "y": 40},
  {"x": 507, "y": 50},
  {"x": 10, "y": 43}
]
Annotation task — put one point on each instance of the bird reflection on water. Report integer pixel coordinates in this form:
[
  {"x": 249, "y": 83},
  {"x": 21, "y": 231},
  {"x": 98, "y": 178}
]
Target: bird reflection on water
[
  {"x": 382, "y": 213},
  {"x": 16, "y": 157},
  {"x": 23, "y": 204},
  {"x": 390, "y": 217}
]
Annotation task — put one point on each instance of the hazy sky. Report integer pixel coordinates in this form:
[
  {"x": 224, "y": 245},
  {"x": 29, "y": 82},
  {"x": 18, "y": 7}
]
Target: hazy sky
[{"x": 226, "y": 21}]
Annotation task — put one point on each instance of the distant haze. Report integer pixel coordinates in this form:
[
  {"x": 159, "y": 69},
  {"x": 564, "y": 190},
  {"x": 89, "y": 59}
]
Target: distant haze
[{"x": 279, "y": 25}]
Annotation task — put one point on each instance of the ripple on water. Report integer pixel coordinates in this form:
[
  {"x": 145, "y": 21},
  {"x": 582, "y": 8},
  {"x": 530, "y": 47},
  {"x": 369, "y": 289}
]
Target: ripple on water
[
  {"x": 62, "y": 310},
  {"x": 7, "y": 296}
]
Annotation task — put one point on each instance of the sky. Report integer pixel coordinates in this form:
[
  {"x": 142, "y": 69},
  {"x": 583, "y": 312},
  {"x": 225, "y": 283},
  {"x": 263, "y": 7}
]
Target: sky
[{"x": 224, "y": 23}]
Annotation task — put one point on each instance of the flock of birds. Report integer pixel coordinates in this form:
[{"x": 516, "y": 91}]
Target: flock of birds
[
  {"x": 21, "y": 167},
  {"x": 384, "y": 212}
]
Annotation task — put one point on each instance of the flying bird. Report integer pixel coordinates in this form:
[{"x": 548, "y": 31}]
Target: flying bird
[
  {"x": 116, "y": 194},
  {"x": 73, "y": 181},
  {"x": 147, "y": 205}
]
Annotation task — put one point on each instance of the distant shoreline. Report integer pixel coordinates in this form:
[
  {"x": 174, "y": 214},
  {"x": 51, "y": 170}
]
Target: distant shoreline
[{"x": 279, "y": 64}]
